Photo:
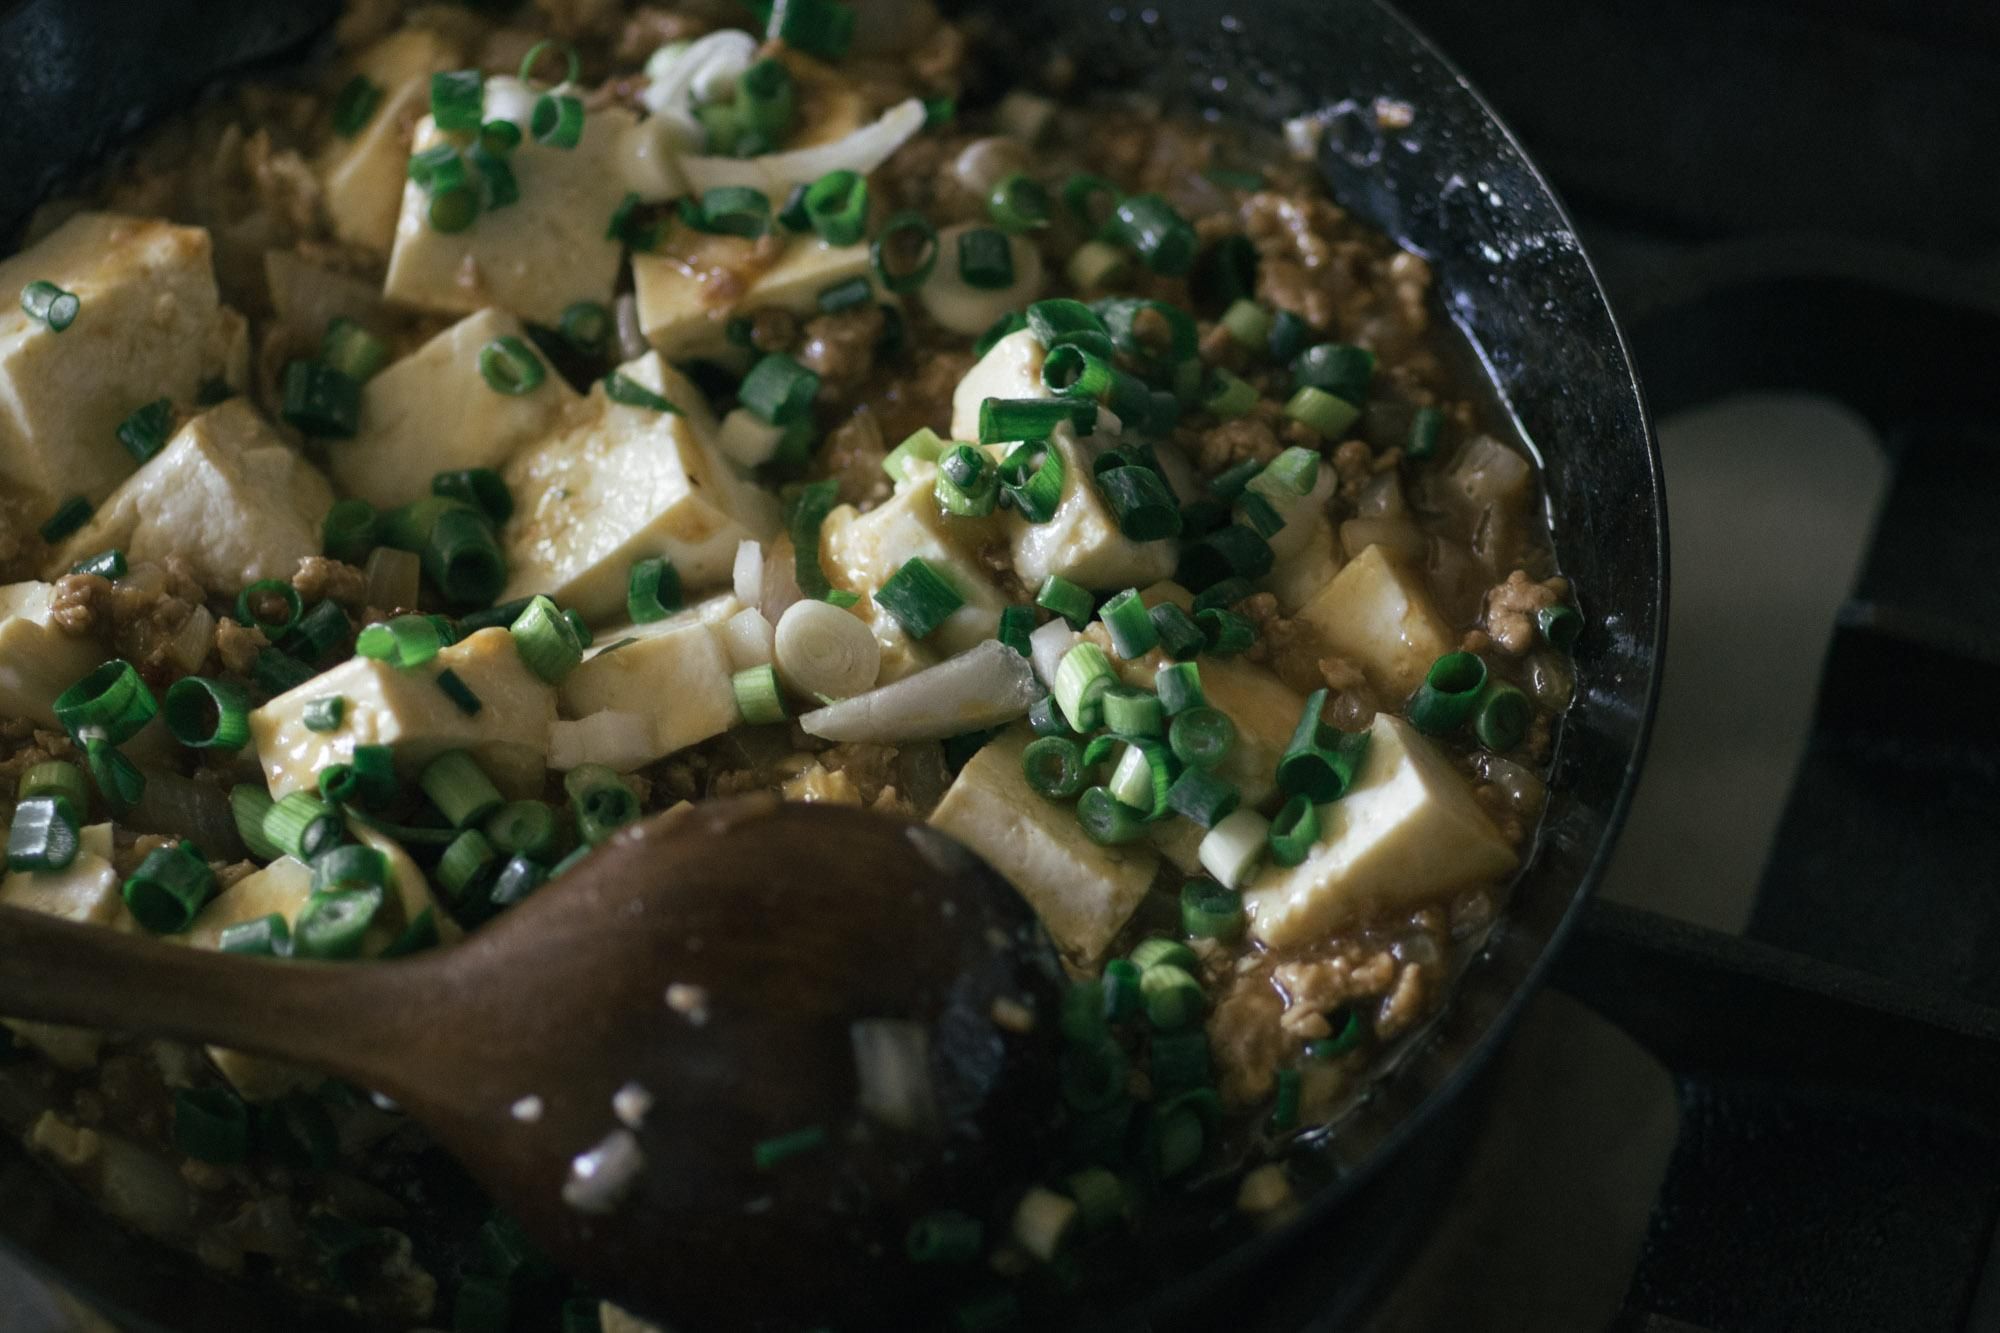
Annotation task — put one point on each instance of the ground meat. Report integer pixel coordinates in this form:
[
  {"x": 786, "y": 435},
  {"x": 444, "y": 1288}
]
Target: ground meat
[
  {"x": 1354, "y": 705},
  {"x": 1316, "y": 988},
  {"x": 582, "y": 18},
  {"x": 320, "y": 578},
  {"x": 1302, "y": 267},
  {"x": 1511, "y": 608},
  {"x": 148, "y": 608},
  {"x": 1289, "y": 647},
  {"x": 1246, "y": 1041},
  {"x": 938, "y": 62},
  {"x": 905, "y": 399},
  {"x": 1228, "y": 443},
  {"x": 651, "y": 27},
  {"x": 853, "y": 457},
  {"x": 997, "y": 558},
  {"x": 840, "y": 348},
  {"x": 22, "y": 746},
  {"x": 80, "y": 604},
  {"x": 1354, "y": 464},
  {"x": 285, "y": 186},
  {"x": 1408, "y": 1002},
  {"x": 238, "y": 645},
  {"x": 773, "y": 330},
  {"x": 871, "y": 768}
]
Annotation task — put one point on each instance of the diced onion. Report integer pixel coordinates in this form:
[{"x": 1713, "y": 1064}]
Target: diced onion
[
  {"x": 747, "y": 575},
  {"x": 747, "y": 439},
  {"x": 1046, "y": 647},
  {"x": 826, "y": 651},
  {"x": 963, "y": 308},
  {"x": 776, "y": 173},
  {"x": 989, "y": 685},
  {"x": 747, "y": 639},
  {"x": 892, "y": 1065},
  {"x": 619, "y": 741},
  {"x": 192, "y": 641}
]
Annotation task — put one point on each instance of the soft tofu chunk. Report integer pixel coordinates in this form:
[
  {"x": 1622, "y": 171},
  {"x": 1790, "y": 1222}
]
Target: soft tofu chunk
[
  {"x": 1011, "y": 368},
  {"x": 538, "y": 255},
  {"x": 1309, "y": 562},
  {"x": 1407, "y": 832},
  {"x": 362, "y": 177},
  {"x": 150, "y": 327},
  {"x": 404, "y": 708},
  {"x": 684, "y": 312},
  {"x": 617, "y": 484},
  {"x": 434, "y": 412},
  {"x": 226, "y": 495},
  {"x": 1082, "y": 892},
  {"x": 1082, "y": 542},
  {"x": 1378, "y": 615},
  {"x": 37, "y": 660},
  {"x": 861, "y": 552},
  {"x": 86, "y": 891},
  {"x": 674, "y": 673}
]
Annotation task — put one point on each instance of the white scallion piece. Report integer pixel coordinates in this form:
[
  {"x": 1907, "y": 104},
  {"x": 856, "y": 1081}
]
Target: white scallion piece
[
  {"x": 825, "y": 651},
  {"x": 747, "y": 639},
  {"x": 1231, "y": 850},
  {"x": 963, "y": 308},
  {"x": 1046, "y": 647},
  {"x": 747, "y": 574},
  {"x": 680, "y": 74},
  {"x": 747, "y": 438},
  {"x": 776, "y": 173},
  {"x": 986, "y": 686}
]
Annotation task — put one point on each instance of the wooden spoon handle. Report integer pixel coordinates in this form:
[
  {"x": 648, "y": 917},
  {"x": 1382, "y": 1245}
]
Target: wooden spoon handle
[{"x": 347, "y": 1019}]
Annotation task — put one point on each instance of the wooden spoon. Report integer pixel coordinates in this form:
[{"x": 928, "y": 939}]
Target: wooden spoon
[{"x": 692, "y": 992}]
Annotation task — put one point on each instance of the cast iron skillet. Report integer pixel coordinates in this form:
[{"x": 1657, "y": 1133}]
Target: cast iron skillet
[{"x": 1455, "y": 187}]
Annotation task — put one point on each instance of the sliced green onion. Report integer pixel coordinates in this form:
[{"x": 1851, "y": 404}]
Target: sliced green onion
[
  {"x": 632, "y": 225},
  {"x": 1017, "y": 623},
  {"x": 468, "y": 866},
  {"x": 1319, "y": 761},
  {"x": 1133, "y": 633},
  {"x": 757, "y": 697},
  {"x": 332, "y": 925},
  {"x": 1210, "y": 912},
  {"x": 1061, "y": 597},
  {"x": 623, "y": 389},
  {"x": 54, "y": 777},
  {"x": 1288, "y": 337},
  {"x": 1502, "y": 717},
  {"x": 1151, "y": 228},
  {"x": 319, "y": 400},
  {"x": 735, "y": 210},
  {"x": 1341, "y": 369},
  {"x": 402, "y": 641},
  {"x": 1106, "y": 820},
  {"x": 524, "y": 828},
  {"x": 1560, "y": 625},
  {"x": 109, "y": 565},
  {"x": 904, "y": 252},
  {"x": 1231, "y": 850},
  {"x": 1180, "y": 637},
  {"x": 782, "y": 1148},
  {"x": 352, "y": 350},
  {"x": 459, "y": 788},
  {"x": 481, "y": 487},
  {"x": 498, "y": 188},
  {"x": 339, "y": 784},
  {"x": 546, "y": 640},
  {"x": 1120, "y": 985},
  {"x": 1031, "y": 479},
  {"x": 1322, "y": 412},
  {"x": 939, "y": 112},
  {"x": 1225, "y": 272},
  {"x": 1045, "y": 718},
  {"x": 587, "y": 326},
  {"x": 1201, "y": 737},
  {"x": 268, "y": 936},
  {"x": 946, "y": 1237},
  {"x": 920, "y": 598},
  {"x": 456, "y": 99},
  {"x": 49, "y": 304},
  {"x": 354, "y": 105},
  {"x": 1082, "y": 677},
  {"x": 1178, "y": 1061},
  {"x": 1228, "y": 396},
  {"x": 211, "y": 1124},
  {"x": 144, "y": 432},
  {"x": 1144, "y": 776},
  {"x": 1019, "y": 203},
  {"x": 110, "y": 703},
  {"x": 765, "y": 101},
  {"x": 1005, "y": 326},
  {"x": 836, "y": 207},
  {"x": 1099, "y": 750},
  {"x": 922, "y": 446},
  {"x": 276, "y": 672},
  {"x": 1249, "y": 324},
  {"x": 348, "y": 532},
  {"x": 1076, "y": 372},
  {"x": 779, "y": 389},
  {"x": 44, "y": 835},
  {"x": 462, "y": 695},
  {"x": 301, "y": 826},
  {"x": 823, "y": 28},
  {"x": 510, "y": 366},
  {"x": 1233, "y": 550},
  {"x": 1225, "y": 633},
  {"x": 1348, "y": 1032},
  {"x": 1450, "y": 691},
  {"x": 1133, "y": 713},
  {"x": 848, "y": 295},
  {"x": 1160, "y": 336},
  {"x": 968, "y": 483},
  {"x": 584, "y": 637},
  {"x": 1031, "y": 419},
  {"x": 1095, "y": 265},
  {"x": 1174, "y": 999},
  {"x": 1290, "y": 476},
  {"x": 808, "y": 511},
  {"x": 1140, "y": 503},
  {"x": 1179, "y": 686},
  {"x": 1091, "y": 200},
  {"x": 1294, "y": 830},
  {"x": 1285, "y": 1104},
  {"x": 602, "y": 801},
  {"x": 557, "y": 120},
  {"x": 318, "y": 714},
  {"x": 254, "y": 602},
  {"x": 573, "y": 65},
  {"x": 519, "y": 878},
  {"x": 350, "y": 866},
  {"x": 1061, "y": 322},
  {"x": 168, "y": 888},
  {"x": 1426, "y": 426},
  {"x": 1054, "y": 767},
  {"x": 1199, "y": 795},
  {"x": 250, "y": 807},
  {"x": 985, "y": 260},
  {"x": 208, "y": 714},
  {"x": 1158, "y": 950},
  {"x": 654, "y": 590}
]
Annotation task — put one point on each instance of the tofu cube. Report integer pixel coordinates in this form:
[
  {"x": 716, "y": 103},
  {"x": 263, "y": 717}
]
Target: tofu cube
[
  {"x": 1082, "y": 542},
  {"x": 404, "y": 708},
  {"x": 538, "y": 255},
  {"x": 674, "y": 673},
  {"x": 150, "y": 326},
  {"x": 226, "y": 495},
  {"x": 1082, "y": 892},
  {"x": 618, "y": 484},
  {"x": 1407, "y": 832},
  {"x": 433, "y": 412},
  {"x": 1011, "y": 368},
  {"x": 37, "y": 660},
  {"x": 1307, "y": 564},
  {"x": 861, "y": 552},
  {"x": 1378, "y": 614},
  {"x": 362, "y": 178},
  {"x": 86, "y": 891},
  {"x": 685, "y": 304}
]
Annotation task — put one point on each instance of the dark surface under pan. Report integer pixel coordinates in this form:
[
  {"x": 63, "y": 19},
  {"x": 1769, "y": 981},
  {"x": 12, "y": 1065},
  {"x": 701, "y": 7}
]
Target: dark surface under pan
[{"x": 1453, "y": 186}]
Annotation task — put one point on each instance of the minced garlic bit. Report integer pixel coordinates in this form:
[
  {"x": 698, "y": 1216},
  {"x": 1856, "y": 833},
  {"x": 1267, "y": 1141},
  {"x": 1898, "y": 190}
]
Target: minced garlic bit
[
  {"x": 690, "y": 1002},
  {"x": 599, "y": 1178},
  {"x": 527, "y": 1110},
  {"x": 631, "y": 1103},
  {"x": 1012, "y": 1015}
]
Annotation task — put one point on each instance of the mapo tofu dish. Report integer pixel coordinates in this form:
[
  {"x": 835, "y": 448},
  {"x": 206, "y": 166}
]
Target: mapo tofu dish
[{"x": 417, "y": 466}]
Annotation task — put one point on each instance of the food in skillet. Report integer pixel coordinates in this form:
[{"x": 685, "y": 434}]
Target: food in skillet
[{"x": 412, "y": 475}]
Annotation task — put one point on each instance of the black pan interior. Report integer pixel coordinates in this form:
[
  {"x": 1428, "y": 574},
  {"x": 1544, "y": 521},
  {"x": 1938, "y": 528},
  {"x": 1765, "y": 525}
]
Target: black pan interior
[{"x": 1455, "y": 187}]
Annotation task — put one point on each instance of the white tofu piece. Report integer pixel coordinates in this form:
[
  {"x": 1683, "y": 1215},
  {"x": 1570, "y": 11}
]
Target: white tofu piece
[
  {"x": 405, "y": 709},
  {"x": 1310, "y": 560},
  {"x": 362, "y": 178},
  {"x": 1082, "y": 892},
  {"x": 226, "y": 495},
  {"x": 1011, "y": 368},
  {"x": 861, "y": 552},
  {"x": 537, "y": 256},
  {"x": 150, "y": 326},
  {"x": 1378, "y": 614},
  {"x": 685, "y": 314},
  {"x": 674, "y": 673},
  {"x": 86, "y": 891},
  {"x": 618, "y": 484},
  {"x": 1407, "y": 832},
  {"x": 433, "y": 412},
  {"x": 1082, "y": 542},
  {"x": 37, "y": 660}
]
